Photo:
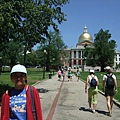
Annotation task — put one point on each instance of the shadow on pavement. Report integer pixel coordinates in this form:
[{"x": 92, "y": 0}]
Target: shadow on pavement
[
  {"x": 42, "y": 90},
  {"x": 101, "y": 112},
  {"x": 98, "y": 111},
  {"x": 83, "y": 109}
]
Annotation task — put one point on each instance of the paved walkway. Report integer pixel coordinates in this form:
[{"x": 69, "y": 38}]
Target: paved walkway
[{"x": 68, "y": 101}]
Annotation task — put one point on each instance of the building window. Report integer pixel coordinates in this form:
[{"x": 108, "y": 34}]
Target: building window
[
  {"x": 79, "y": 62},
  {"x": 79, "y": 54},
  {"x": 74, "y": 54},
  {"x": 74, "y": 62}
]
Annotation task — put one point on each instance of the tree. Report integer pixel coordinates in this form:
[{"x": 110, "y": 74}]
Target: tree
[
  {"x": 104, "y": 49},
  {"x": 10, "y": 52},
  {"x": 28, "y": 21},
  {"x": 54, "y": 47},
  {"x": 89, "y": 56}
]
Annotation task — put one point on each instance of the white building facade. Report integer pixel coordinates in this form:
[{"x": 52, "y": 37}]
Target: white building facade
[{"x": 117, "y": 59}]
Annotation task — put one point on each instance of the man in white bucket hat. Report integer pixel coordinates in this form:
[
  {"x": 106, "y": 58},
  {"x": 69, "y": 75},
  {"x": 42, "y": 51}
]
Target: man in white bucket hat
[
  {"x": 17, "y": 102},
  {"x": 109, "y": 86}
]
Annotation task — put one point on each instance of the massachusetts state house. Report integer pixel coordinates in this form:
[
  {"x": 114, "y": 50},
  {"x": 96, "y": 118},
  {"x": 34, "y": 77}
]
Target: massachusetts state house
[{"x": 75, "y": 55}]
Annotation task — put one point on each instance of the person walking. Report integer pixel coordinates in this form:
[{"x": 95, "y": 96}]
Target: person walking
[
  {"x": 63, "y": 74},
  {"x": 59, "y": 74},
  {"x": 109, "y": 86},
  {"x": 17, "y": 101},
  {"x": 78, "y": 75},
  {"x": 69, "y": 75},
  {"x": 91, "y": 87}
]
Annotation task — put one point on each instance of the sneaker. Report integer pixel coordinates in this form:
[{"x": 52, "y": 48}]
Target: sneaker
[
  {"x": 109, "y": 114},
  {"x": 94, "y": 111},
  {"x": 90, "y": 109}
]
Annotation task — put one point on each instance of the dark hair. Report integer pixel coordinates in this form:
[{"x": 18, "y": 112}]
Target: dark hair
[
  {"x": 16, "y": 72},
  {"x": 92, "y": 73}
]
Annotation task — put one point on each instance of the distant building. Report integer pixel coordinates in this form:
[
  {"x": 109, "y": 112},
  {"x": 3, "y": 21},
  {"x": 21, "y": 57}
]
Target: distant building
[
  {"x": 117, "y": 58},
  {"x": 76, "y": 59}
]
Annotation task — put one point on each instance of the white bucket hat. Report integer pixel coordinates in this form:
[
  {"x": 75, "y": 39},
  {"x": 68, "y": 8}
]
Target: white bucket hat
[
  {"x": 19, "y": 68},
  {"x": 92, "y": 71},
  {"x": 107, "y": 68}
]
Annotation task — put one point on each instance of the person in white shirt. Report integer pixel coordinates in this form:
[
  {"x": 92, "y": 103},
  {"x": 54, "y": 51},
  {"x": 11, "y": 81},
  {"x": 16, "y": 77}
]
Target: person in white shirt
[
  {"x": 92, "y": 85},
  {"x": 109, "y": 91}
]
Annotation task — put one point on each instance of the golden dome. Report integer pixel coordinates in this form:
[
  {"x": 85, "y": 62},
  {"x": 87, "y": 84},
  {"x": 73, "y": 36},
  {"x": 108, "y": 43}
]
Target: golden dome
[{"x": 85, "y": 36}]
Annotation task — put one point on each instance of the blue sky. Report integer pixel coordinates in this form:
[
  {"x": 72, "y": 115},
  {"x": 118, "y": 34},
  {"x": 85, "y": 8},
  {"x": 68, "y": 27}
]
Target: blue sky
[{"x": 95, "y": 14}]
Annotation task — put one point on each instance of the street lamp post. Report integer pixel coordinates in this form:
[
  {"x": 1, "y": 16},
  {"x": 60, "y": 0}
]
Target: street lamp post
[
  {"x": 44, "y": 64},
  {"x": 53, "y": 65},
  {"x": 0, "y": 65}
]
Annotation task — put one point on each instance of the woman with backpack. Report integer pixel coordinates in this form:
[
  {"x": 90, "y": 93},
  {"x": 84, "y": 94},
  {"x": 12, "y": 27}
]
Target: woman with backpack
[
  {"x": 109, "y": 86},
  {"x": 92, "y": 85}
]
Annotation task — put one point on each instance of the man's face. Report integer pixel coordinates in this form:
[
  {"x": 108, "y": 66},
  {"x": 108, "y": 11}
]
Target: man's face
[{"x": 18, "y": 78}]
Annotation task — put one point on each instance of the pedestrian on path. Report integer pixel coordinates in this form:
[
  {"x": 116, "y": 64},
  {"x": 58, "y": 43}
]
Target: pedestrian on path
[
  {"x": 69, "y": 75},
  {"x": 59, "y": 75},
  {"x": 63, "y": 74},
  {"x": 17, "y": 101},
  {"x": 109, "y": 86},
  {"x": 78, "y": 75},
  {"x": 92, "y": 83}
]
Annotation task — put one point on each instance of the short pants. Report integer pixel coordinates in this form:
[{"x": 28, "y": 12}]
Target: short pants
[
  {"x": 109, "y": 92},
  {"x": 59, "y": 76},
  {"x": 92, "y": 95}
]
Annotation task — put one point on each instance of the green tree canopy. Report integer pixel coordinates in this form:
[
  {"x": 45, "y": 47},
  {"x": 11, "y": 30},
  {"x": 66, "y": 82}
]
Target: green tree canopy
[
  {"x": 28, "y": 21},
  {"x": 54, "y": 47},
  {"x": 11, "y": 53},
  {"x": 104, "y": 49}
]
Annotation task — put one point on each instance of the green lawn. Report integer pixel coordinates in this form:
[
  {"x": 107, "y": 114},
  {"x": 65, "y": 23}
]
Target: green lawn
[
  {"x": 35, "y": 74},
  {"x": 100, "y": 77}
]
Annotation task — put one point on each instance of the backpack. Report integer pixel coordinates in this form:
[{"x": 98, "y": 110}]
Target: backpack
[
  {"x": 33, "y": 104},
  {"x": 93, "y": 82},
  {"x": 110, "y": 82}
]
